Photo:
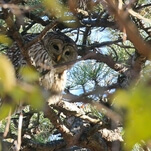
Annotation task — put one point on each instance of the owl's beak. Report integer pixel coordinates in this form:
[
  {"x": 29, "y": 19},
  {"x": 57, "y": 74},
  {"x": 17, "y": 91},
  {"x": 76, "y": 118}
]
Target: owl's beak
[{"x": 58, "y": 58}]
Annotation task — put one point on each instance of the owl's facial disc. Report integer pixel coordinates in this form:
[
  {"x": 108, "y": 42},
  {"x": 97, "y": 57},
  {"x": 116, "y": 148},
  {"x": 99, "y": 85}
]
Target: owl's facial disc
[{"x": 54, "y": 48}]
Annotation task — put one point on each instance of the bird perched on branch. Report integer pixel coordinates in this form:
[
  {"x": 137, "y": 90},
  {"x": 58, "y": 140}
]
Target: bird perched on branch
[{"x": 53, "y": 49}]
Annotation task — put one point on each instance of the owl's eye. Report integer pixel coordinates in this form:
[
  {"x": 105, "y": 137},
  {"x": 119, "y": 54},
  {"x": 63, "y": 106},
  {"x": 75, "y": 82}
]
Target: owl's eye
[
  {"x": 67, "y": 53},
  {"x": 55, "y": 47}
]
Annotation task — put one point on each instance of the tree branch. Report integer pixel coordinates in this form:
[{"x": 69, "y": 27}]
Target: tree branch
[
  {"x": 129, "y": 27},
  {"x": 98, "y": 57},
  {"x": 98, "y": 45},
  {"x": 71, "y": 109},
  {"x": 50, "y": 114}
]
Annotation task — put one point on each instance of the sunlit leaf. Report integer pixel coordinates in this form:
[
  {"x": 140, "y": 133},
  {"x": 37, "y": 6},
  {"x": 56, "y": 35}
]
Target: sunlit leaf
[
  {"x": 7, "y": 73},
  {"x": 5, "y": 40}
]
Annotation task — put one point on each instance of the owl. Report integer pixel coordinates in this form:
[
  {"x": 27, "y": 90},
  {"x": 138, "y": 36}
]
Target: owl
[{"x": 53, "y": 49}]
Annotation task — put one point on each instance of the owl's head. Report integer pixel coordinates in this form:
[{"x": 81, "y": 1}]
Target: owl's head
[{"x": 60, "y": 47}]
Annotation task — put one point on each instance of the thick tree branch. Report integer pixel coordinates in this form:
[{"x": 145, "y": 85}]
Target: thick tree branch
[
  {"x": 100, "y": 58},
  {"x": 50, "y": 114},
  {"x": 71, "y": 109}
]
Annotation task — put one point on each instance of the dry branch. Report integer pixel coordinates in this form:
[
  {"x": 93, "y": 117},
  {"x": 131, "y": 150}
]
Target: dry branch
[
  {"x": 111, "y": 135},
  {"x": 71, "y": 109}
]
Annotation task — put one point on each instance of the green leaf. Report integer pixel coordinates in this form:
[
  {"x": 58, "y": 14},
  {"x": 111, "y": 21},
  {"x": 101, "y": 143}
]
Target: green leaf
[
  {"x": 137, "y": 103},
  {"x": 5, "y": 110},
  {"x": 122, "y": 99},
  {"x": 35, "y": 98},
  {"x": 28, "y": 74},
  {"x": 5, "y": 40},
  {"x": 18, "y": 93},
  {"x": 29, "y": 94},
  {"x": 58, "y": 10}
]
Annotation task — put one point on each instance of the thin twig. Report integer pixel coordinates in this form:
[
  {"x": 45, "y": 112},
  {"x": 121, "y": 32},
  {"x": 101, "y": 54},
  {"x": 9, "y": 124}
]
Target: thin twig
[
  {"x": 8, "y": 124},
  {"x": 20, "y": 122},
  {"x": 137, "y": 15},
  {"x": 99, "y": 45},
  {"x": 143, "y": 6},
  {"x": 78, "y": 30}
]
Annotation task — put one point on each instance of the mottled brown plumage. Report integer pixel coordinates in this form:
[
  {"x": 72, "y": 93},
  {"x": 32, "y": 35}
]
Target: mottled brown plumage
[{"x": 53, "y": 49}]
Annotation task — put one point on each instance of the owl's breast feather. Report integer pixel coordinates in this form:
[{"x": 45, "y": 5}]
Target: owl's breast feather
[{"x": 57, "y": 88}]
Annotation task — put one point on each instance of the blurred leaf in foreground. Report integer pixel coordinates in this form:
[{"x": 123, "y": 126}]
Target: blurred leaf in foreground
[
  {"x": 7, "y": 74},
  {"x": 58, "y": 10},
  {"x": 28, "y": 74},
  {"x": 137, "y": 103},
  {"x": 31, "y": 93},
  {"x": 35, "y": 98},
  {"x": 5, "y": 40},
  {"x": 28, "y": 94},
  {"x": 5, "y": 110}
]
